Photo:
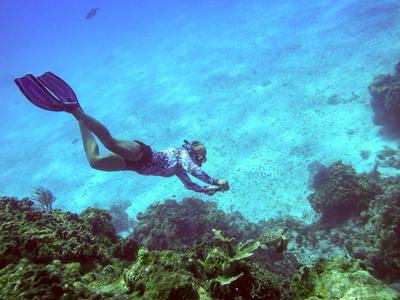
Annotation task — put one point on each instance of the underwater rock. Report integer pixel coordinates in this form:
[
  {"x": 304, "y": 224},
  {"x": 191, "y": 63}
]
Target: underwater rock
[
  {"x": 126, "y": 249},
  {"x": 372, "y": 236},
  {"x": 318, "y": 175},
  {"x": 389, "y": 158},
  {"x": 120, "y": 218},
  {"x": 343, "y": 194},
  {"x": 228, "y": 261},
  {"x": 385, "y": 101},
  {"x": 283, "y": 264},
  {"x": 41, "y": 237},
  {"x": 29, "y": 281},
  {"x": 253, "y": 282},
  {"x": 381, "y": 227},
  {"x": 225, "y": 272},
  {"x": 168, "y": 275},
  {"x": 375, "y": 234},
  {"x": 26, "y": 280},
  {"x": 339, "y": 278},
  {"x": 188, "y": 226},
  {"x": 232, "y": 276},
  {"x": 100, "y": 223},
  {"x": 60, "y": 255},
  {"x": 179, "y": 226},
  {"x": 55, "y": 254}
]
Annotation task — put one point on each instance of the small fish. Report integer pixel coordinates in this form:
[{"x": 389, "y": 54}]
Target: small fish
[{"x": 91, "y": 13}]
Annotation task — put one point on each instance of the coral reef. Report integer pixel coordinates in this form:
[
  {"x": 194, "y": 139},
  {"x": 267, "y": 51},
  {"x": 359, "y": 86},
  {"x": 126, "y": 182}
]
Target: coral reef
[
  {"x": 232, "y": 276},
  {"x": 44, "y": 236},
  {"x": 254, "y": 282},
  {"x": 343, "y": 194},
  {"x": 54, "y": 281},
  {"x": 376, "y": 233},
  {"x": 389, "y": 158},
  {"x": 385, "y": 101},
  {"x": 60, "y": 255},
  {"x": 55, "y": 254},
  {"x": 226, "y": 264},
  {"x": 162, "y": 275},
  {"x": 339, "y": 278},
  {"x": 178, "y": 226},
  {"x": 188, "y": 225},
  {"x": 318, "y": 175},
  {"x": 224, "y": 274},
  {"x": 372, "y": 235}
]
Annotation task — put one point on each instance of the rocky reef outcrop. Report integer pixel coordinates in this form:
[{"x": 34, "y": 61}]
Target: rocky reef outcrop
[
  {"x": 342, "y": 193},
  {"x": 50, "y": 254},
  {"x": 385, "y": 101},
  {"x": 370, "y": 233},
  {"x": 178, "y": 226},
  {"x": 120, "y": 218},
  {"x": 339, "y": 278},
  {"x": 43, "y": 236},
  {"x": 221, "y": 275}
]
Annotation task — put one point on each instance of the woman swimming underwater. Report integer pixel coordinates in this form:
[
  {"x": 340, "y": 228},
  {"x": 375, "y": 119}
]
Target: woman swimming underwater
[{"x": 50, "y": 92}]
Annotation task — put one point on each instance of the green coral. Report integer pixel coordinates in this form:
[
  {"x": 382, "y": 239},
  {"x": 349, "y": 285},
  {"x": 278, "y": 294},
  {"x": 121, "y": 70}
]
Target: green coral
[
  {"x": 253, "y": 282},
  {"x": 162, "y": 275},
  {"x": 242, "y": 250},
  {"x": 178, "y": 226},
  {"x": 60, "y": 255},
  {"x": 232, "y": 276},
  {"x": 26, "y": 280},
  {"x": 229, "y": 261},
  {"x": 225, "y": 274},
  {"x": 339, "y": 278},
  {"x": 44, "y": 236}
]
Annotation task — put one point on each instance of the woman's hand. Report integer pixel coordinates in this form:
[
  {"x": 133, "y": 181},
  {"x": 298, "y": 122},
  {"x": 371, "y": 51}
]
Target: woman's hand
[
  {"x": 223, "y": 185},
  {"x": 211, "y": 190}
]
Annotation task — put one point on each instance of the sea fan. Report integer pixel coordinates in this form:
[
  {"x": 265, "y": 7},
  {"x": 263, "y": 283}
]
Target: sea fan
[{"x": 43, "y": 198}]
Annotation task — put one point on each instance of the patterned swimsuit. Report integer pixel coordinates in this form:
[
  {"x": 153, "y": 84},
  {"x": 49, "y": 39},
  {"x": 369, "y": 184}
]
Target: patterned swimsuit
[{"x": 176, "y": 161}]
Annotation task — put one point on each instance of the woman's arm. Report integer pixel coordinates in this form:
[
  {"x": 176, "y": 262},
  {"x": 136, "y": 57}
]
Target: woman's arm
[
  {"x": 190, "y": 167},
  {"x": 194, "y": 170},
  {"x": 189, "y": 184}
]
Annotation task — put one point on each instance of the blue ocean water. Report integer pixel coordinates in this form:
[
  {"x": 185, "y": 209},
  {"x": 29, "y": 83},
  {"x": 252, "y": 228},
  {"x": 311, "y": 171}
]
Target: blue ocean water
[{"x": 268, "y": 86}]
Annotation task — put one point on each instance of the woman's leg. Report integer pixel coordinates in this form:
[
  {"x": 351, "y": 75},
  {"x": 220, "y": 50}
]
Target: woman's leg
[
  {"x": 129, "y": 150},
  {"x": 111, "y": 162}
]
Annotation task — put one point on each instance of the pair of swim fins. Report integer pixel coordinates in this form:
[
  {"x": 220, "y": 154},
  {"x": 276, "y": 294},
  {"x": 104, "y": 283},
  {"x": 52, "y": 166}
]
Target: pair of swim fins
[{"x": 48, "y": 92}]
